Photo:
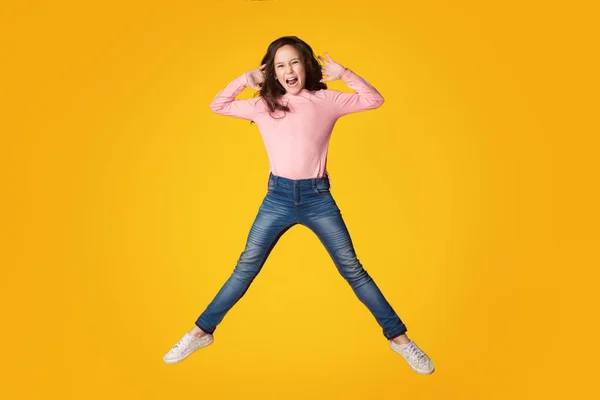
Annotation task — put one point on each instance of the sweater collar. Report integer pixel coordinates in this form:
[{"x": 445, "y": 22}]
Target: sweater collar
[{"x": 304, "y": 93}]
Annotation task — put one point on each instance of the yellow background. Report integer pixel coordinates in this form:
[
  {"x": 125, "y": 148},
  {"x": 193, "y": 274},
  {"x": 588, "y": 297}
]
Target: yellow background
[{"x": 471, "y": 196}]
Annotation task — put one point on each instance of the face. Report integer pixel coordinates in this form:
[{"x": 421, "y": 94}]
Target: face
[{"x": 289, "y": 69}]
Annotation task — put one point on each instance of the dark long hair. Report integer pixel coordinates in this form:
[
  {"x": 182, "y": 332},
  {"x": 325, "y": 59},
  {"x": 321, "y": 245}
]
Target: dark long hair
[{"x": 271, "y": 90}]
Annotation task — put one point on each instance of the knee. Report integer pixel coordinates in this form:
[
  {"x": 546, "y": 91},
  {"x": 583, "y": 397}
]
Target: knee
[
  {"x": 245, "y": 272},
  {"x": 355, "y": 273},
  {"x": 351, "y": 269},
  {"x": 249, "y": 263}
]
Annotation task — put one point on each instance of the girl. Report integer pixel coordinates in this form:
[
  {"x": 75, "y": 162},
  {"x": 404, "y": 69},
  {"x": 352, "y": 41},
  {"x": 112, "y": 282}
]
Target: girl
[{"x": 295, "y": 114}]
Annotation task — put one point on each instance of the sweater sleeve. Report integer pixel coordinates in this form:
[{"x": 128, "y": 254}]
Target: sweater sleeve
[
  {"x": 225, "y": 103},
  {"x": 365, "y": 96}
]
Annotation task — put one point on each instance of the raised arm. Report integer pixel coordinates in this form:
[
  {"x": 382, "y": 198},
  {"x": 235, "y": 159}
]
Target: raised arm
[
  {"x": 365, "y": 96},
  {"x": 226, "y": 104}
]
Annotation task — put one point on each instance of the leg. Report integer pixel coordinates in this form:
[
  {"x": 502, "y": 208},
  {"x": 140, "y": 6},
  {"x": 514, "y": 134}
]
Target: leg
[
  {"x": 270, "y": 224},
  {"x": 326, "y": 221}
]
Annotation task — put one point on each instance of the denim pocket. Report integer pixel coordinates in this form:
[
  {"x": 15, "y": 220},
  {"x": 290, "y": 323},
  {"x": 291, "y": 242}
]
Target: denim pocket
[{"x": 322, "y": 188}]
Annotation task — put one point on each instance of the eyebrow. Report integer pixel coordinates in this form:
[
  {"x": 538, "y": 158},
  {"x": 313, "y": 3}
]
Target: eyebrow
[{"x": 281, "y": 62}]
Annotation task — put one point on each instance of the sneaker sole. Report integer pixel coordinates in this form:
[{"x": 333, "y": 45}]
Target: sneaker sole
[
  {"x": 423, "y": 372},
  {"x": 177, "y": 360}
]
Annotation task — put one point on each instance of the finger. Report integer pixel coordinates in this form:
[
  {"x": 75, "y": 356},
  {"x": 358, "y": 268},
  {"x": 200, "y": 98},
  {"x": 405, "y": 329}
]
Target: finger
[
  {"x": 328, "y": 56},
  {"x": 262, "y": 67},
  {"x": 322, "y": 59}
]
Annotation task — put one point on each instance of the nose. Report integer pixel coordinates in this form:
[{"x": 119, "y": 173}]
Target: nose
[{"x": 290, "y": 68}]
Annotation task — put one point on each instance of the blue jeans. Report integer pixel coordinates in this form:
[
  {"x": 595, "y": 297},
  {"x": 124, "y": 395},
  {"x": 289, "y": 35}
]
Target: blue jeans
[{"x": 308, "y": 202}]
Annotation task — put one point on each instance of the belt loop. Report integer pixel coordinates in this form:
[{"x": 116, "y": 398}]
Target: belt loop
[{"x": 276, "y": 178}]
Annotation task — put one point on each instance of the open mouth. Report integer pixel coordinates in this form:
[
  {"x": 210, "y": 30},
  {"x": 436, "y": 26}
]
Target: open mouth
[{"x": 292, "y": 82}]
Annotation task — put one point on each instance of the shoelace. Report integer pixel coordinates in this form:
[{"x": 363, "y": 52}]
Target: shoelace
[
  {"x": 184, "y": 341},
  {"x": 416, "y": 354}
]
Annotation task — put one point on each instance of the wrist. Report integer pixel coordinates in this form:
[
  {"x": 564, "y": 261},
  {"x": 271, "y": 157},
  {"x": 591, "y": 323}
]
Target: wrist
[{"x": 345, "y": 73}]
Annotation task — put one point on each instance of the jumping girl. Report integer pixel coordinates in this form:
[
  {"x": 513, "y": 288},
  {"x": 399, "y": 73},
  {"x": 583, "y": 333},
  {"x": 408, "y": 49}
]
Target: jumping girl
[{"x": 295, "y": 114}]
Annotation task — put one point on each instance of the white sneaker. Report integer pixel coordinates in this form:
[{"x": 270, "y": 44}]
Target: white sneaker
[
  {"x": 186, "y": 346},
  {"x": 416, "y": 358}
]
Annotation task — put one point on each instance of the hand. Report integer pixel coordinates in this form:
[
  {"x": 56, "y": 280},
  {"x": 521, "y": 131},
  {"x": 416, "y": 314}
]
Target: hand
[
  {"x": 331, "y": 69},
  {"x": 256, "y": 77}
]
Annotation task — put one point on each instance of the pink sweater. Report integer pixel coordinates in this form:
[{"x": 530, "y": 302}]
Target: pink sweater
[{"x": 297, "y": 144}]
